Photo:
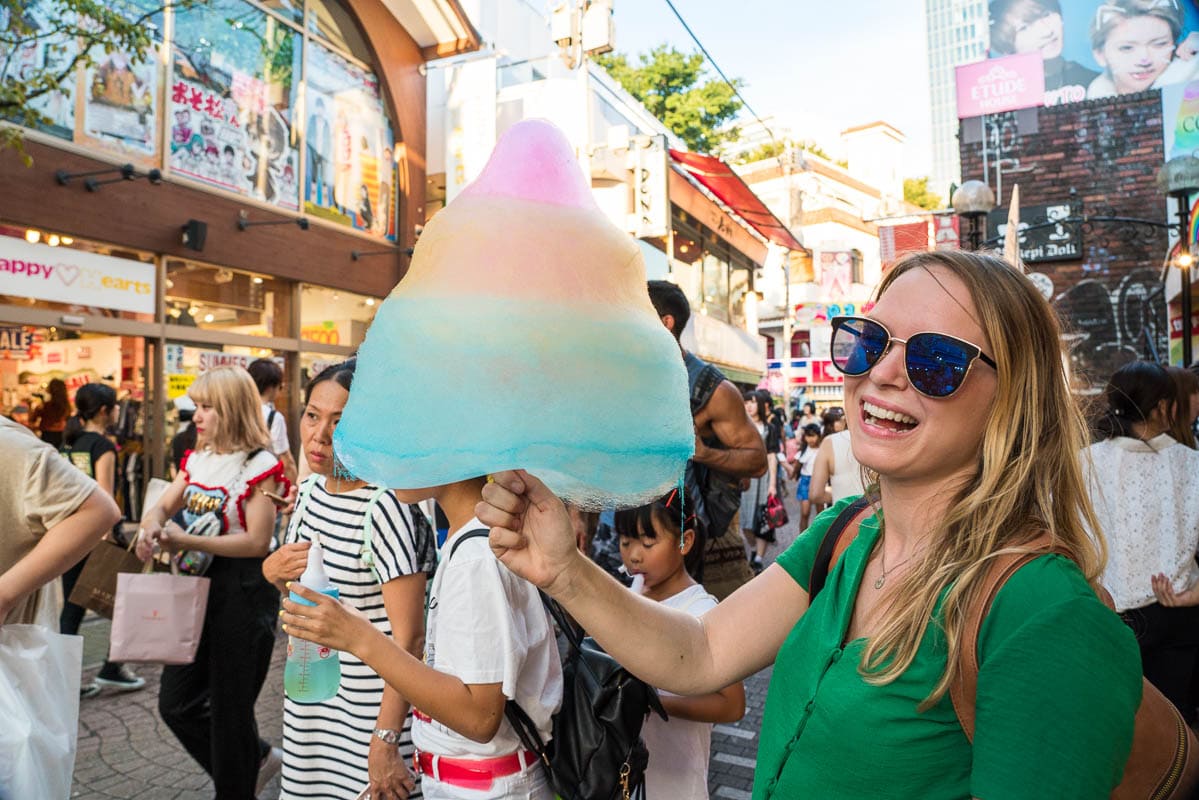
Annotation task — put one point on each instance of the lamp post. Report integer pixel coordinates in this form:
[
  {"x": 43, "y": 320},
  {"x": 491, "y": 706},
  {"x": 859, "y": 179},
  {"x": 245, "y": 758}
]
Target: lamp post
[
  {"x": 1179, "y": 178},
  {"x": 973, "y": 200}
]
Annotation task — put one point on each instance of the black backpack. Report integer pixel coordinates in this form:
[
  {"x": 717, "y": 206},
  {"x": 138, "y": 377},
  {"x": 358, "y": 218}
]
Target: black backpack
[{"x": 597, "y": 752}]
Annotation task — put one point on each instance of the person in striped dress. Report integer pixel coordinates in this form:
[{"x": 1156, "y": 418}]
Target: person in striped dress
[{"x": 361, "y": 738}]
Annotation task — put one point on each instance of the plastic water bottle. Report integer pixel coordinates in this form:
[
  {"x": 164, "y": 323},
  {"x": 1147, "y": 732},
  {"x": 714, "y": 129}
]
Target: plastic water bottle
[{"x": 313, "y": 672}]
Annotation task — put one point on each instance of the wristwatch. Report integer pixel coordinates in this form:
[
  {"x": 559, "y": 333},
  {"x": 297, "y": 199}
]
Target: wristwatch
[{"x": 391, "y": 737}]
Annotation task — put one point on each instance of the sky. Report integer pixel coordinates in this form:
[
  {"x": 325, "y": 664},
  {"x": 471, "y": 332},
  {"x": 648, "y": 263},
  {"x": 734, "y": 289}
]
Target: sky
[{"x": 816, "y": 66}]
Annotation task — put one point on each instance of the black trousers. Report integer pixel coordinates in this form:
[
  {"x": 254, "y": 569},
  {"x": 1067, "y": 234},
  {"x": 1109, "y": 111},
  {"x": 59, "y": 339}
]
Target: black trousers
[
  {"x": 1169, "y": 640},
  {"x": 209, "y": 704}
]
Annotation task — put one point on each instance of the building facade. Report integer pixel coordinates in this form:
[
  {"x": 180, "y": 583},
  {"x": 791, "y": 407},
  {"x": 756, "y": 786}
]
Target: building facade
[
  {"x": 958, "y": 33},
  {"x": 248, "y": 191}
]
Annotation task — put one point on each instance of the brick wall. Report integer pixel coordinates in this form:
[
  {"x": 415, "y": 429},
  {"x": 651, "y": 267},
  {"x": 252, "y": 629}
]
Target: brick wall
[{"x": 1108, "y": 152}]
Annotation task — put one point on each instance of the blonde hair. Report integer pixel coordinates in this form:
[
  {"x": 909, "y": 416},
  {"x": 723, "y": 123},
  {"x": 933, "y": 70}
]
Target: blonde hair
[
  {"x": 231, "y": 391},
  {"x": 1028, "y": 477}
]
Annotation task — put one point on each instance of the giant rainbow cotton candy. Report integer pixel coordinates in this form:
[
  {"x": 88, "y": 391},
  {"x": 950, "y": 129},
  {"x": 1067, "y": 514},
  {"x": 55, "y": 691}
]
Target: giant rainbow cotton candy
[{"x": 522, "y": 337}]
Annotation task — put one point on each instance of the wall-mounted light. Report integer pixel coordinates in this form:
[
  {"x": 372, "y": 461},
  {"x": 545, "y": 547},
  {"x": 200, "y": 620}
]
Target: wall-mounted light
[
  {"x": 243, "y": 222},
  {"x": 357, "y": 254},
  {"x": 32, "y": 236},
  {"x": 195, "y": 233}
]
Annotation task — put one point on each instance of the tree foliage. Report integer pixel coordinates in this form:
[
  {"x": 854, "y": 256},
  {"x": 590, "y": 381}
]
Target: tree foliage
[
  {"x": 43, "y": 43},
  {"x": 915, "y": 191},
  {"x": 675, "y": 88}
]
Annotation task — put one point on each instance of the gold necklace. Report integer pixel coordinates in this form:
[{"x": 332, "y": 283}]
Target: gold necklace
[{"x": 882, "y": 579}]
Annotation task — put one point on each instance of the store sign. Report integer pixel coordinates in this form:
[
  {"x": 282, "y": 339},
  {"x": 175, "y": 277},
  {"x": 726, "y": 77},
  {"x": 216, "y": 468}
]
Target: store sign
[
  {"x": 321, "y": 333},
  {"x": 1000, "y": 84},
  {"x": 651, "y": 204},
  {"x": 1047, "y": 242},
  {"x": 807, "y": 314},
  {"x": 178, "y": 384},
  {"x": 211, "y": 359},
  {"x": 947, "y": 232},
  {"x": 61, "y": 275},
  {"x": 15, "y": 343}
]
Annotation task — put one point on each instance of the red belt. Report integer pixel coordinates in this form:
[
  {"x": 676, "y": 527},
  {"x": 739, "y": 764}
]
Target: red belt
[{"x": 472, "y": 773}]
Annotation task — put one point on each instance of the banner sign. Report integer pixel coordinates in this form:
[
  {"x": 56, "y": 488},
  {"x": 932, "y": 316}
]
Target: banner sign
[
  {"x": 1000, "y": 84},
  {"x": 946, "y": 232},
  {"x": 1058, "y": 242},
  {"x": 75, "y": 277},
  {"x": 16, "y": 342},
  {"x": 178, "y": 384},
  {"x": 210, "y": 359},
  {"x": 1099, "y": 48},
  {"x": 651, "y": 205}
]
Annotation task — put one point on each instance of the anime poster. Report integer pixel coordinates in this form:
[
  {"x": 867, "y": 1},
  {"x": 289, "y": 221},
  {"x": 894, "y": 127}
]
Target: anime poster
[
  {"x": 38, "y": 52},
  {"x": 350, "y": 163},
  {"x": 1100, "y": 48},
  {"x": 231, "y": 95},
  {"x": 120, "y": 94}
]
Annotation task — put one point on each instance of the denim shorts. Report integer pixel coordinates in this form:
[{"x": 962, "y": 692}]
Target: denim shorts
[{"x": 801, "y": 489}]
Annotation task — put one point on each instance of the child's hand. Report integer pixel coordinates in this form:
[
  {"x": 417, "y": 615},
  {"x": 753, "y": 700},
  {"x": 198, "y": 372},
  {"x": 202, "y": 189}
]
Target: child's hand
[
  {"x": 329, "y": 623},
  {"x": 530, "y": 528}
]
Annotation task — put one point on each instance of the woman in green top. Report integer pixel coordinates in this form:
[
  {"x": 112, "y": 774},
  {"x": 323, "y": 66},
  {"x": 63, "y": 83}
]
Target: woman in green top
[{"x": 971, "y": 436}]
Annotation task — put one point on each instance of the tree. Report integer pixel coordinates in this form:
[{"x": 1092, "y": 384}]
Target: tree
[
  {"x": 915, "y": 191},
  {"x": 673, "y": 87},
  {"x": 44, "y": 42}
]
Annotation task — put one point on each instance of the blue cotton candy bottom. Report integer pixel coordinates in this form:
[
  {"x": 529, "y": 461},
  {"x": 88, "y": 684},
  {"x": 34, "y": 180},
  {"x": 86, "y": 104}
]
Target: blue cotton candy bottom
[{"x": 591, "y": 399}]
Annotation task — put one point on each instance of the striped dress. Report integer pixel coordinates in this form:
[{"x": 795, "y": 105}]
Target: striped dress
[{"x": 325, "y": 745}]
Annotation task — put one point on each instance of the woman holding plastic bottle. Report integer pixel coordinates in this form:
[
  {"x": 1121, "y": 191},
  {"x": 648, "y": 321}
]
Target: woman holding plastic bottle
[{"x": 361, "y": 737}]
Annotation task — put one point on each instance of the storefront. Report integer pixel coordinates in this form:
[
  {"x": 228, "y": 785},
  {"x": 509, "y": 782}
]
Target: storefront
[{"x": 275, "y": 185}]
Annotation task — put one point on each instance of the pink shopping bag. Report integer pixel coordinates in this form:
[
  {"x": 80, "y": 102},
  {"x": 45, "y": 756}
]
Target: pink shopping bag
[{"x": 157, "y": 618}]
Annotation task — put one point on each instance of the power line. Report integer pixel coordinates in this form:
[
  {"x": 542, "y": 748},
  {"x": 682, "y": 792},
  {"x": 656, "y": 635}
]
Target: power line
[{"x": 720, "y": 72}]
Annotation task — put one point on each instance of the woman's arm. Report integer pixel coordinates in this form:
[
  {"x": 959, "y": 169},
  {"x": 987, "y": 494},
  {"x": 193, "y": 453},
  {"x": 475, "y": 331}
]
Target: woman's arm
[
  {"x": 58, "y": 549},
  {"x": 727, "y": 705},
  {"x": 531, "y": 535},
  {"x": 255, "y": 542},
  {"x": 106, "y": 472},
  {"x": 772, "y": 462},
  {"x": 149, "y": 532},
  {"x": 472, "y": 710}
]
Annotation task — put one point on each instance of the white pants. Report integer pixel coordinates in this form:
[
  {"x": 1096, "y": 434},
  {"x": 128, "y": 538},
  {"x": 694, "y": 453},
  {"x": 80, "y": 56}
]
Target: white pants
[{"x": 531, "y": 784}]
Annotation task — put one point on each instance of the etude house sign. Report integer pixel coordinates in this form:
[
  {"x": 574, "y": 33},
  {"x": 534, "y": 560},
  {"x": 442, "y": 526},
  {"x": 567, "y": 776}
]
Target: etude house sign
[
  {"x": 1043, "y": 234},
  {"x": 1000, "y": 84},
  {"x": 62, "y": 275}
]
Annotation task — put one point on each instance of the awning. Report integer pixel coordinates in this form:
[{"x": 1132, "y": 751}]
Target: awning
[
  {"x": 440, "y": 27},
  {"x": 719, "y": 179}
]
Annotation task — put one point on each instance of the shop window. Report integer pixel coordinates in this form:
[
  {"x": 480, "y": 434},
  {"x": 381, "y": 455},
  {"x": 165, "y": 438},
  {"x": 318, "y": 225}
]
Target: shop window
[
  {"x": 332, "y": 22},
  {"x": 801, "y": 344},
  {"x": 716, "y": 278},
  {"x": 769, "y": 347},
  {"x": 76, "y": 276},
  {"x": 216, "y": 298},
  {"x": 333, "y": 317},
  {"x": 738, "y": 289}
]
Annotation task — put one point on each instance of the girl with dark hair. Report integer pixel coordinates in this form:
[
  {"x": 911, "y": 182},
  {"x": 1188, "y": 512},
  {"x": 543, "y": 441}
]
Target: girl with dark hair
[
  {"x": 661, "y": 546},
  {"x": 810, "y": 440},
  {"x": 50, "y": 418},
  {"x": 754, "y": 496},
  {"x": 361, "y": 738},
  {"x": 1144, "y": 486},
  {"x": 88, "y": 447}
]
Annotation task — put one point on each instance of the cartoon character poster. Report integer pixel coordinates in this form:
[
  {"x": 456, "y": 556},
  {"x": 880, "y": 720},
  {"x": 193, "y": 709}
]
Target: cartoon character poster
[
  {"x": 349, "y": 156},
  {"x": 231, "y": 96},
  {"x": 120, "y": 99},
  {"x": 39, "y": 52}
]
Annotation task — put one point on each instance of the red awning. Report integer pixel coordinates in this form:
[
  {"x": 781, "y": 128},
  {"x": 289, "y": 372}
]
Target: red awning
[{"x": 719, "y": 179}]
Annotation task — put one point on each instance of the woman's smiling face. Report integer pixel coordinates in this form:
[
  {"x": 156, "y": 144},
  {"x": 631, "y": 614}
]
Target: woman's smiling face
[{"x": 1136, "y": 52}]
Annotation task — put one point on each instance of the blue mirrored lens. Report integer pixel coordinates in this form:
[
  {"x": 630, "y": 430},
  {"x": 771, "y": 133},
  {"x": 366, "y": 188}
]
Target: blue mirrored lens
[
  {"x": 857, "y": 345},
  {"x": 937, "y": 364}
]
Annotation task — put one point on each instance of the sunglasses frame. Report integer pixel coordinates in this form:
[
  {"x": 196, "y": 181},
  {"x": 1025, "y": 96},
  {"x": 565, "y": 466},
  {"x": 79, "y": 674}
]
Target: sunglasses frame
[{"x": 976, "y": 353}]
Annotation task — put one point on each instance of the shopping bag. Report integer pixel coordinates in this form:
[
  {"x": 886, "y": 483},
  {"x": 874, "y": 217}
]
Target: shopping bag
[
  {"x": 157, "y": 618},
  {"x": 97, "y": 584},
  {"x": 39, "y": 706}
]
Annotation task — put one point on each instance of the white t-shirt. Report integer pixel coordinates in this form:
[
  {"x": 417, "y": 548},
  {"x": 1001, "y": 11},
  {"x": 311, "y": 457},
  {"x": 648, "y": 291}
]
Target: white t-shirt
[
  {"x": 1146, "y": 496},
  {"x": 277, "y": 428},
  {"x": 486, "y": 625},
  {"x": 806, "y": 459},
  {"x": 679, "y": 748}
]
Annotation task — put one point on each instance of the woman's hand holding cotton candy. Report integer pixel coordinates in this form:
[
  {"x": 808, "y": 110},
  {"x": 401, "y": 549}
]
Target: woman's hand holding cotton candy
[{"x": 530, "y": 530}]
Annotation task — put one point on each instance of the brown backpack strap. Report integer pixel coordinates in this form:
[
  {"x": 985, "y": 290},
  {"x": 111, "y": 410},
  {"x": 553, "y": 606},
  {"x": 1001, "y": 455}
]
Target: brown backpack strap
[{"x": 963, "y": 691}]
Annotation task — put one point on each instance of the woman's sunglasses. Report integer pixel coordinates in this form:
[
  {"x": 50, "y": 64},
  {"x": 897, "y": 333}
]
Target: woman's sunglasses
[{"x": 936, "y": 363}]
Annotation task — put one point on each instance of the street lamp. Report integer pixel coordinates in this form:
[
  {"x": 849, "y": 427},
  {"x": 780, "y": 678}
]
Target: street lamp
[
  {"x": 973, "y": 200},
  {"x": 1179, "y": 178}
]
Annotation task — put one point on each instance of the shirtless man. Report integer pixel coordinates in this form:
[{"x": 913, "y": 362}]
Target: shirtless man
[{"x": 728, "y": 449}]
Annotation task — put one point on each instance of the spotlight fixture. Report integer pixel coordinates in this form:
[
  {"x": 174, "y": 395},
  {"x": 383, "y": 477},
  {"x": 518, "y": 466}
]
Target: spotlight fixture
[
  {"x": 243, "y": 222},
  {"x": 195, "y": 232},
  {"x": 63, "y": 177}
]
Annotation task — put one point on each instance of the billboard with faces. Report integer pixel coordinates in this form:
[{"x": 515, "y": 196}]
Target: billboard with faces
[{"x": 1093, "y": 49}]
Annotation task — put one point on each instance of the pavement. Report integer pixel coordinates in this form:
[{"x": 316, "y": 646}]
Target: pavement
[{"x": 125, "y": 751}]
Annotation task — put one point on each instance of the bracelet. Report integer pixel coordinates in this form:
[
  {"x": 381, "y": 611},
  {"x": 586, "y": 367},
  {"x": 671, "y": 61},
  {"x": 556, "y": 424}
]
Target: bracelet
[{"x": 391, "y": 737}]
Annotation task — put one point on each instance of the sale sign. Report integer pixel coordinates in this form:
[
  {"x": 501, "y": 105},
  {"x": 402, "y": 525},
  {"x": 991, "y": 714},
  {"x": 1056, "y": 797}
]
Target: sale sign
[{"x": 1000, "y": 84}]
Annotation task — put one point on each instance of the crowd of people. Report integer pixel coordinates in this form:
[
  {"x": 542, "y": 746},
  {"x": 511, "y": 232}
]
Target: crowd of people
[{"x": 960, "y": 432}]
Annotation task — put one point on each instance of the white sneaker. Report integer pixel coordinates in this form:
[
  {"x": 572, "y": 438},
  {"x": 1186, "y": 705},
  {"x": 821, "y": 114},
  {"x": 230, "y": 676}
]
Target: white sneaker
[
  {"x": 122, "y": 679},
  {"x": 268, "y": 769}
]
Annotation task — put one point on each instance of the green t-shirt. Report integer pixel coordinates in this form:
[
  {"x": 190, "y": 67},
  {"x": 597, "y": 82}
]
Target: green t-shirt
[{"x": 1059, "y": 683}]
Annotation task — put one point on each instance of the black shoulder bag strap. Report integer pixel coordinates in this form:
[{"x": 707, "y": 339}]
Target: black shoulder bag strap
[{"x": 824, "y": 556}]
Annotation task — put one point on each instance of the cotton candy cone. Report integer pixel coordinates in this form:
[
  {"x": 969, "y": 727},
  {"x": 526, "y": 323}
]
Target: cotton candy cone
[{"x": 522, "y": 337}]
